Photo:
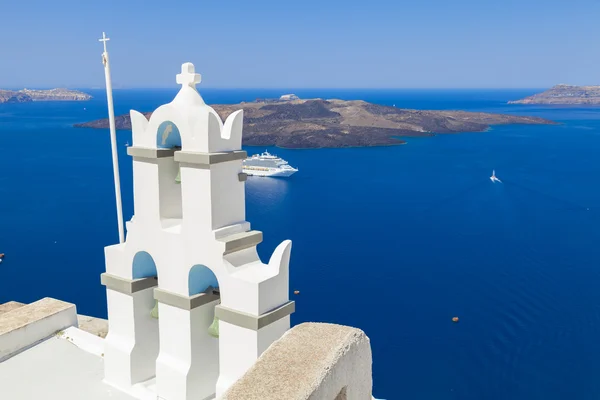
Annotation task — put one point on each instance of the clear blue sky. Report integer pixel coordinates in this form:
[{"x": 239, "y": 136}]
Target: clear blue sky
[{"x": 307, "y": 43}]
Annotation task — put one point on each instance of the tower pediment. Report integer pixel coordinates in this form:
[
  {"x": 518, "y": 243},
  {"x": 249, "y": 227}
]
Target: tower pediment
[{"x": 188, "y": 122}]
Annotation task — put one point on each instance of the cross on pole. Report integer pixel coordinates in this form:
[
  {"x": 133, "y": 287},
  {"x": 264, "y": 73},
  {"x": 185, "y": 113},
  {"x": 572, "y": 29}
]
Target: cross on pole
[
  {"x": 104, "y": 39},
  {"x": 113, "y": 139}
]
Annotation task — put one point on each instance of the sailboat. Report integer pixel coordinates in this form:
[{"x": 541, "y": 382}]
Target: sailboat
[{"x": 493, "y": 177}]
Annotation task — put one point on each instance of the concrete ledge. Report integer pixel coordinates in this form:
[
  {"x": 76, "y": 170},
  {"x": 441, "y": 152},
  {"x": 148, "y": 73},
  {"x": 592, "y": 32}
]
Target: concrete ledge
[
  {"x": 146, "y": 152},
  {"x": 9, "y": 306},
  {"x": 242, "y": 177},
  {"x": 241, "y": 241},
  {"x": 95, "y": 326},
  {"x": 253, "y": 322},
  {"x": 27, "y": 325},
  {"x": 222, "y": 233},
  {"x": 192, "y": 157},
  {"x": 310, "y": 362},
  {"x": 127, "y": 286},
  {"x": 185, "y": 302}
]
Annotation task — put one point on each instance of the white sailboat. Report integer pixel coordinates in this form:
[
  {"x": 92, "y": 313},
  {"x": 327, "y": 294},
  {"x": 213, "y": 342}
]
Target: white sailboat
[{"x": 493, "y": 177}]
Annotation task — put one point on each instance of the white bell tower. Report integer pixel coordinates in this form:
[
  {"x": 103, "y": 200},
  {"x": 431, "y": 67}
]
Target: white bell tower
[{"x": 190, "y": 304}]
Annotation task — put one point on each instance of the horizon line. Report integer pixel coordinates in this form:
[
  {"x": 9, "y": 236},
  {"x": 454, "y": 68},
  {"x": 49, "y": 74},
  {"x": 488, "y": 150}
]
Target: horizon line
[{"x": 75, "y": 87}]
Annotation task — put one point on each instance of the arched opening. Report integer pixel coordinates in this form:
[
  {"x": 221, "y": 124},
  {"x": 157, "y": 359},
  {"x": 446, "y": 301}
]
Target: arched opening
[
  {"x": 169, "y": 137},
  {"x": 143, "y": 266},
  {"x": 200, "y": 280},
  {"x": 203, "y": 286}
]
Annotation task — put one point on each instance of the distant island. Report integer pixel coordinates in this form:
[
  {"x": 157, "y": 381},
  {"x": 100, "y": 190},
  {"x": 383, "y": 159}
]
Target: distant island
[
  {"x": 28, "y": 95},
  {"x": 318, "y": 123},
  {"x": 564, "y": 94}
]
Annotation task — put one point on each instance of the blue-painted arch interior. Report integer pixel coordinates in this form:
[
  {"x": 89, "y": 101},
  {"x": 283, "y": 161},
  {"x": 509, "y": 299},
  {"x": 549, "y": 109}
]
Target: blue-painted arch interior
[
  {"x": 200, "y": 279},
  {"x": 143, "y": 266},
  {"x": 168, "y": 136}
]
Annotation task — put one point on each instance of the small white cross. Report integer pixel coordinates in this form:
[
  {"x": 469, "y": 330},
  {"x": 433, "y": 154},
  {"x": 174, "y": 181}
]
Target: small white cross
[
  {"x": 104, "y": 39},
  {"x": 188, "y": 75}
]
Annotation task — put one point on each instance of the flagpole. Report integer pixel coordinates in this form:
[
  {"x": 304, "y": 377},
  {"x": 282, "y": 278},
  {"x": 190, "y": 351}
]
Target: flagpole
[{"x": 113, "y": 138}]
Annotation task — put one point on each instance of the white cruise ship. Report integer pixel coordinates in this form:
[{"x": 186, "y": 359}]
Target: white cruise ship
[{"x": 267, "y": 164}]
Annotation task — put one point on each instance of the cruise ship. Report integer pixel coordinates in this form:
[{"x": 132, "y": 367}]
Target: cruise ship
[{"x": 267, "y": 164}]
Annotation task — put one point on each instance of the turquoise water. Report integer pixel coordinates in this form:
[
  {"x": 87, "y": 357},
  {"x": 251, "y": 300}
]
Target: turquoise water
[{"x": 394, "y": 240}]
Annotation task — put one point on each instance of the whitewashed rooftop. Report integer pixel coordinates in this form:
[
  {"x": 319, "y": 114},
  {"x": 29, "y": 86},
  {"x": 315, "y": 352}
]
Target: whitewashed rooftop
[{"x": 56, "y": 369}]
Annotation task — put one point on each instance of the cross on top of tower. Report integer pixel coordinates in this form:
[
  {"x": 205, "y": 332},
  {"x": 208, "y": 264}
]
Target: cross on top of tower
[
  {"x": 188, "y": 75},
  {"x": 104, "y": 39}
]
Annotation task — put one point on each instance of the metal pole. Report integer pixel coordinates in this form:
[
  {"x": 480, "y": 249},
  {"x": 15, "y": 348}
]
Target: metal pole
[{"x": 113, "y": 139}]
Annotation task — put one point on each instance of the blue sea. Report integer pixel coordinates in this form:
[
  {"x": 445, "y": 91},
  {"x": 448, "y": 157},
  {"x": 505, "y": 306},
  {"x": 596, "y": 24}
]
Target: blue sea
[{"x": 394, "y": 240}]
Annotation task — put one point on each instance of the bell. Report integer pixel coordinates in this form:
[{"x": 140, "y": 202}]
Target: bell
[
  {"x": 178, "y": 177},
  {"x": 213, "y": 329},
  {"x": 154, "y": 312}
]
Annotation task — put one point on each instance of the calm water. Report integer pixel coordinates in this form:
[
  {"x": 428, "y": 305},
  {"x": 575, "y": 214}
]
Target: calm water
[{"x": 394, "y": 240}]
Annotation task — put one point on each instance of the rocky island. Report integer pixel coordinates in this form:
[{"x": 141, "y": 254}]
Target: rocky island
[
  {"x": 564, "y": 94},
  {"x": 9, "y": 96},
  {"x": 320, "y": 123},
  {"x": 28, "y": 95}
]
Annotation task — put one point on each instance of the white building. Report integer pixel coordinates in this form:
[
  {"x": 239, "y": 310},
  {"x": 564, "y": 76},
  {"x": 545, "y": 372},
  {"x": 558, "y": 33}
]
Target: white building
[
  {"x": 288, "y": 97},
  {"x": 190, "y": 249},
  {"x": 191, "y": 307}
]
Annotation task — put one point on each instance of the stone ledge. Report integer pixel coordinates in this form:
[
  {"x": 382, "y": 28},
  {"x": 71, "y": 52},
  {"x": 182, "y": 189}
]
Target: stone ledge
[
  {"x": 93, "y": 325},
  {"x": 29, "y": 324},
  {"x": 254, "y": 322},
  {"x": 229, "y": 230},
  {"x": 241, "y": 241},
  {"x": 185, "y": 302},
  {"x": 9, "y": 306},
  {"x": 147, "y": 152},
  {"x": 310, "y": 361},
  {"x": 127, "y": 286},
  {"x": 207, "y": 159}
]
